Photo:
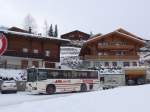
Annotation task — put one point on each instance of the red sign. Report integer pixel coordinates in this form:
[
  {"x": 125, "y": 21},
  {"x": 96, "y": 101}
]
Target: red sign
[
  {"x": 62, "y": 81},
  {"x": 3, "y": 43},
  {"x": 87, "y": 81}
]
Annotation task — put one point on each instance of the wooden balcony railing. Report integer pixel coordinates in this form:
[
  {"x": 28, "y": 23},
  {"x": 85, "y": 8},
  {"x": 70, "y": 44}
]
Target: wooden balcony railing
[
  {"x": 111, "y": 57},
  {"x": 27, "y": 55},
  {"x": 31, "y": 55},
  {"x": 109, "y": 46}
]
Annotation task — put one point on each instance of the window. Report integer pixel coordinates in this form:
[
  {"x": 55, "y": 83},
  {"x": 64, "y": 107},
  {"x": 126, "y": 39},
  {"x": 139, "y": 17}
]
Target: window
[
  {"x": 100, "y": 43},
  {"x": 114, "y": 64},
  {"x": 106, "y": 64},
  {"x": 35, "y": 51},
  {"x": 47, "y": 53},
  {"x": 126, "y": 64},
  {"x": 83, "y": 75},
  {"x": 134, "y": 63},
  {"x": 25, "y": 50},
  {"x": 105, "y": 53},
  {"x": 102, "y": 79},
  {"x": 35, "y": 63},
  {"x": 92, "y": 75},
  {"x": 24, "y": 64},
  {"x": 118, "y": 53},
  {"x": 71, "y": 36},
  {"x": 42, "y": 75},
  {"x": 100, "y": 53},
  {"x": 53, "y": 74}
]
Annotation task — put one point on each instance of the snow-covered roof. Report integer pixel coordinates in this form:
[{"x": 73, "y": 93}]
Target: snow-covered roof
[
  {"x": 147, "y": 57},
  {"x": 118, "y": 32},
  {"x": 32, "y": 35},
  {"x": 131, "y": 36}
]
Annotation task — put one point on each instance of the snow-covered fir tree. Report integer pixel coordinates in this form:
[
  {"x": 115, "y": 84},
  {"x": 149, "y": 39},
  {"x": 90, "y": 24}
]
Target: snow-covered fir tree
[
  {"x": 50, "y": 32},
  {"x": 56, "y": 31}
]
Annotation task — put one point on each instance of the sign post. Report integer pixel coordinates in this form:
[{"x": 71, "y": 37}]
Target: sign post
[{"x": 3, "y": 47}]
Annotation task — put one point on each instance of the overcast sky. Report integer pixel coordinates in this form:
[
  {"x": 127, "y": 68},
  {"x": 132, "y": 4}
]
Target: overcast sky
[{"x": 98, "y": 16}]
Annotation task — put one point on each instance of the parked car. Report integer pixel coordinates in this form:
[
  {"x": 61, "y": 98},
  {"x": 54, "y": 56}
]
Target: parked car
[
  {"x": 9, "y": 87},
  {"x": 131, "y": 82}
]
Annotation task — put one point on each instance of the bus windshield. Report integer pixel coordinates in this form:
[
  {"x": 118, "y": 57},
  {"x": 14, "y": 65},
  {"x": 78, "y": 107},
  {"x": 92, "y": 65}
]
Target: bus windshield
[{"x": 31, "y": 75}]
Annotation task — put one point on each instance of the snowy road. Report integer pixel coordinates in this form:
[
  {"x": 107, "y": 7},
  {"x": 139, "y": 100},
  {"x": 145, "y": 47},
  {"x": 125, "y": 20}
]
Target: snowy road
[{"x": 22, "y": 97}]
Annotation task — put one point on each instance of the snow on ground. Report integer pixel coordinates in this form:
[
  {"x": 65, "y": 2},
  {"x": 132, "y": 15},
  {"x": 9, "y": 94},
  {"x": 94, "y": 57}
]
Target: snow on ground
[
  {"x": 21, "y": 97},
  {"x": 123, "y": 99}
]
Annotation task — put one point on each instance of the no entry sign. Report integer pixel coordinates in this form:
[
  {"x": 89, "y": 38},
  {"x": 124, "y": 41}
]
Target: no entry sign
[{"x": 3, "y": 43}]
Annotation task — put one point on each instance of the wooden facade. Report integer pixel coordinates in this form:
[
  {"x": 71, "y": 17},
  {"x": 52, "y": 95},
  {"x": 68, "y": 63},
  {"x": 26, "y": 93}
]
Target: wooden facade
[
  {"x": 118, "y": 49},
  {"x": 43, "y": 51},
  {"x": 115, "y": 45},
  {"x": 76, "y": 35}
]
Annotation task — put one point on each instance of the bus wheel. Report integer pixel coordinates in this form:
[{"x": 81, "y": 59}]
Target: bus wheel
[
  {"x": 83, "y": 88},
  {"x": 50, "y": 89}
]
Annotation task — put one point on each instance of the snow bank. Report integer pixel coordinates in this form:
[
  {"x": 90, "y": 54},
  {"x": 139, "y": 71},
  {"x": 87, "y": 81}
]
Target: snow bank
[
  {"x": 69, "y": 57},
  {"x": 12, "y": 73},
  {"x": 125, "y": 99}
]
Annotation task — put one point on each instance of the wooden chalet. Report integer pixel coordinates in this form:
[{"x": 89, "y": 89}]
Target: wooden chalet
[
  {"x": 115, "y": 49},
  {"x": 76, "y": 35},
  {"x": 26, "y": 50}
]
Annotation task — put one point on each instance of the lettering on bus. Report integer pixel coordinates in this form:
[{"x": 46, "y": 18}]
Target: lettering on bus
[
  {"x": 62, "y": 81},
  {"x": 87, "y": 81}
]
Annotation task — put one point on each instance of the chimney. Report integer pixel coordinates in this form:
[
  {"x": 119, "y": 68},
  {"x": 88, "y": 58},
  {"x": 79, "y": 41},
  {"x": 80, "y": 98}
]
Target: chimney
[{"x": 30, "y": 30}]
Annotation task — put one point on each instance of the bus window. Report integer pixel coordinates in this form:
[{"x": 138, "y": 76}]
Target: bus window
[
  {"x": 74, "y": 75},
  {"x": 83, "y": 75},
  {"x": 52, "y": 74},
  {"x": 42, "y": 75},
  {"x": 60, "y": 75},
  {"x": 92, "y": 75},
  {"x": 67, "y": 75},
  {"x": 64, "y": 74},
  {"x": 55, "y": 74}
]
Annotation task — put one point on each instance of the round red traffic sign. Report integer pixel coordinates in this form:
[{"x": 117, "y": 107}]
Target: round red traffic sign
[{"x": 3, "y": 43}]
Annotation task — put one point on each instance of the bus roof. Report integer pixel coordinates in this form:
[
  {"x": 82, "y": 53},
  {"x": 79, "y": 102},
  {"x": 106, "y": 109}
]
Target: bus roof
[{"x": 64, "y": 69}]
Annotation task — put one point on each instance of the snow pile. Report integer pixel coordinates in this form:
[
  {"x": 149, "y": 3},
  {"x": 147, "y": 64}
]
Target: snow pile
[
  {"x": 12, "y": 73},
  {"x": 69, "y": 51},
  {"x": 78, "y": 43},
  {"x": 110, "y": 71},
  {"x": 72, "y": 62},
  {"x": 125, "y": 99},
  {"x": 69, "y": 57}
]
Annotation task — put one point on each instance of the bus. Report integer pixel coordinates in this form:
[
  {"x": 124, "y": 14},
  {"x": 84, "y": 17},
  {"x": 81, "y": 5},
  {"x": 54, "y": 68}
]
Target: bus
[{"x": 49, "y": 80}]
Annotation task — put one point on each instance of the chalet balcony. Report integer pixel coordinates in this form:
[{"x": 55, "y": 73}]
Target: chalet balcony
[
  {"x": 115, "y": 46},
  {"x": 111, "y": 57},
  {"x": 26, "y": 55}
]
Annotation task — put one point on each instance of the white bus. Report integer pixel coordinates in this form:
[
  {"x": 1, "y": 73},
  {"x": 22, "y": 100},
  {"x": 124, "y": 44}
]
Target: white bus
[{"x": 48, "y": 80}]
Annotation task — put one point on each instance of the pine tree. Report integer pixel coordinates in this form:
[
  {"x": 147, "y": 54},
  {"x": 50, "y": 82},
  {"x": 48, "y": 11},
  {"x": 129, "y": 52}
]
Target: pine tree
[
  {"x": 56, "y": 31},
  {"x": 50, "y": 32}
]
